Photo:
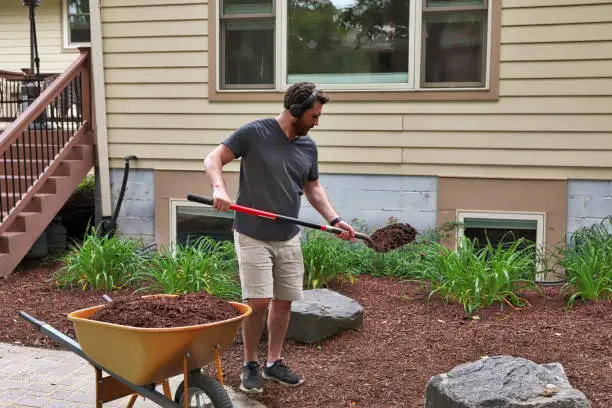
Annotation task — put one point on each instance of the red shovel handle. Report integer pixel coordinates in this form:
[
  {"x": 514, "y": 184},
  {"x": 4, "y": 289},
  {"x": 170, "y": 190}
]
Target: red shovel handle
[
  {"x": 276, "y": 217},
  {"x": 235, "y": 207}
]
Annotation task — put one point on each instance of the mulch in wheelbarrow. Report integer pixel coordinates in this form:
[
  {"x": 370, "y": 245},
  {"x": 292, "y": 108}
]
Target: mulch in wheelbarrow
[
  {"x": 391, "y": 237},
  {"x": 163, "y": 312}
]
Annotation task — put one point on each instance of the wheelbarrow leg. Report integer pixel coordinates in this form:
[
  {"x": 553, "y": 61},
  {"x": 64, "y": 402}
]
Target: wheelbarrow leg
[
  {"x": 167, "y": 391},
  {"x": 132, "y": 401},
  {"x": 165, "y": 384}
]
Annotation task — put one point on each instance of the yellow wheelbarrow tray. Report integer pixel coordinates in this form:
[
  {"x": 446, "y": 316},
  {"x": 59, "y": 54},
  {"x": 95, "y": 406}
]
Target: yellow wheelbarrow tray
[{"x": 140, "y": 358}]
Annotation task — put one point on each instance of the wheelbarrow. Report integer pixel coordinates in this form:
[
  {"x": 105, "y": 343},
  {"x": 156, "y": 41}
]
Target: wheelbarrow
[{"x": 138, "y": 359}]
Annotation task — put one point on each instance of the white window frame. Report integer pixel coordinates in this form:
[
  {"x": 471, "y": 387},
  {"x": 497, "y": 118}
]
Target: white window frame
[
  {"x": 66, "y": 29},
  {"x": 414, "y": 64},
  {"x": 539, "y": 217},
  {"x": 177, "y": 202}
]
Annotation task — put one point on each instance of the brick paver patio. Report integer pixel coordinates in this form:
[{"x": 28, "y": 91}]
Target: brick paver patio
[{"x": 36, "y": 377}]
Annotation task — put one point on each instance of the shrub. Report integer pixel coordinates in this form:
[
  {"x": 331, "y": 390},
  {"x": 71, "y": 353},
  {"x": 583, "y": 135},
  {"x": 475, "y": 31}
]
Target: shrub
[
  {"x": 325, "y": 258},
  {"x": 207, "y": 265},
  {"x": 480, "y": 277},
  {"x": 588, "y": 263},
  {"x": 101, "y": 263}
]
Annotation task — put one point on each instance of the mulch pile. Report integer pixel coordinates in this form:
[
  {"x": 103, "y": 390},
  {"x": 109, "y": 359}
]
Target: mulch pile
[
  {"x": 388, "y": 360},
  {"x": 160, "y": 312},
  {"x": 392, "y": 236}
]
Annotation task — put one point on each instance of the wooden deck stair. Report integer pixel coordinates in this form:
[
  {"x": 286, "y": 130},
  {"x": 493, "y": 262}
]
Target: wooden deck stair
[
  {"x": 53, "y": 190},
  {"x": 44, "y": 155}
]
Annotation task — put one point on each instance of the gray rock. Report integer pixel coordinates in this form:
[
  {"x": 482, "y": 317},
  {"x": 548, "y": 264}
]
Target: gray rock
[
  {"x": 322, "y": 313},
  {"x": 503, "y": 382}
]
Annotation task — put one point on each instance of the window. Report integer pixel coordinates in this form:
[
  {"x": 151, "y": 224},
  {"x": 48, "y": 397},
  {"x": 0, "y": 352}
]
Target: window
[
  {"x": 76, "y": 23},
  {"x": 503, "y": 228},
  {"x": 354, "y": 44},
  {"x": 190, "y": 221}
]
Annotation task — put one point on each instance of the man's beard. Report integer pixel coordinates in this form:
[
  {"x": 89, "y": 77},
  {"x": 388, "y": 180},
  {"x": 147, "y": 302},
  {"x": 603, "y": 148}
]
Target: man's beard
[{"x": 301, "y": 129}]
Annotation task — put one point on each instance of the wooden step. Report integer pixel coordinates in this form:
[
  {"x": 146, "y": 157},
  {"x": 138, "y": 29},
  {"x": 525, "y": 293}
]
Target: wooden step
[
  {"x": 21, "y": 229},
  {"x": 9, "y": 241},
  {"x": 23, "y": 221}
]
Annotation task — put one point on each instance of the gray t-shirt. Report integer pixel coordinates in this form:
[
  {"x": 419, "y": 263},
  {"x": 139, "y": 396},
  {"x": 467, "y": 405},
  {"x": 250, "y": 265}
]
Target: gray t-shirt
[{"x": 273, "y": 173}]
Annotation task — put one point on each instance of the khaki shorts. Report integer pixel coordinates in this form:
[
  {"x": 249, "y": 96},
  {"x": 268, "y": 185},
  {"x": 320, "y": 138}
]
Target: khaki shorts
[{"x": 270, "y": 269}]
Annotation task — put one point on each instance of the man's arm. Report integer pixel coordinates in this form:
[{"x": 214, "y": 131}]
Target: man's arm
[
  {"x": 213, "y": 167},
  {"x": 316, "y": 196}
]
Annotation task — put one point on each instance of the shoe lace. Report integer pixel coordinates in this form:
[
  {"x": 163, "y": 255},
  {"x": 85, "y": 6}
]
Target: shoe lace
[
  {"x": 253, "y": 369},
  {"x": 283, "y": 370}
]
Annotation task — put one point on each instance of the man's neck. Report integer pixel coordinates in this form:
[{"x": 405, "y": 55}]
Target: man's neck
[{"x": 285, "y": 121}]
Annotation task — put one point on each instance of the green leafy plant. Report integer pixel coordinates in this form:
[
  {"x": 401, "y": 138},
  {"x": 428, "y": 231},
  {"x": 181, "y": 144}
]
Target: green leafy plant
[
  {"x": 88, "y": 184},
  {"x": 102, "y": 263},
  {"x": 588, "y": 263},
  {"x": 207, "y": 265},
  {"x": 478, "y": 277},
  {"x": 325, "y": 258},
  {"x": 405, "y": 262}
]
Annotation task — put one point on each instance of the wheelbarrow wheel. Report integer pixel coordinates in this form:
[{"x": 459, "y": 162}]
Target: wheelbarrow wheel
[{"x": 204, "y": 392}]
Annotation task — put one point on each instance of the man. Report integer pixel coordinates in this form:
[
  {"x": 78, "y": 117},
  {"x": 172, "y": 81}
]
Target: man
[{"x": 278, "y": 165}]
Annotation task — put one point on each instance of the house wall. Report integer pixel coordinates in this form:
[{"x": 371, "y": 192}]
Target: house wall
[
  {"x": 550, "y": 122},
  {"x": 555, "y": 90},
  {"x": 589, "y": 202},
  {"x": 373, "y": 199},
  {"x": 15, "y": 37}
]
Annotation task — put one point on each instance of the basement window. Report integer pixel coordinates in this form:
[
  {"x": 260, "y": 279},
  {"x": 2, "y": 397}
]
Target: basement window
[
  {"x": 190, "y": 221},
  {"x": 503, "y": 228}
]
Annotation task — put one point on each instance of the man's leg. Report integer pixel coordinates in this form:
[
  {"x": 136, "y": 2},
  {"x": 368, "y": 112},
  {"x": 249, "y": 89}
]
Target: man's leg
[
  {"x": 252, "y": 328},
  {"x": 288, "y": 281},
  {"x": 278, "y": 320},
  {"x": 255, "y": 267}
]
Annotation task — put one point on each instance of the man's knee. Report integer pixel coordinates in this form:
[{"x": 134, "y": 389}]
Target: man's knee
[
  {"x": 258, "y": 305},
  {"x": 281, "y": 304}
]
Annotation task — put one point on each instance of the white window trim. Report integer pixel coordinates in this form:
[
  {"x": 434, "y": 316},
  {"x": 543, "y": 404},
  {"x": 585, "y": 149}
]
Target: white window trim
[
  {"x": 539, "y": 217},
  {"x": 414, "y": 66},
  {"x": 178, "y": 202},
  {"x": 66, "y": 29}
]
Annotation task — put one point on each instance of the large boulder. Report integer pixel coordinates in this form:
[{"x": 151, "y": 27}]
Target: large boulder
[
  {"x": 503, "y": 382},
  {"x": 322, "y": 313}
]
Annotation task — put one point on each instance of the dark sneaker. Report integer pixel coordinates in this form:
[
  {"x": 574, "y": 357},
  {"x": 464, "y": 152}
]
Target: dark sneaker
[
  {"x": 250, "y": 380},
  {"x": 280, "y": 372}
]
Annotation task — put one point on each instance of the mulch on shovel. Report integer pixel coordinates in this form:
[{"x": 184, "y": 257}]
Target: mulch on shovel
[
  {"x": 162, "y": 312},
  {"x": 392, "y": 236}
]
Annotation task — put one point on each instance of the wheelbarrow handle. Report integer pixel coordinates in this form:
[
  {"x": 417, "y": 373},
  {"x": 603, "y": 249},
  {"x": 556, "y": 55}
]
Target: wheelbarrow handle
[{"x": 275, "y": 217}]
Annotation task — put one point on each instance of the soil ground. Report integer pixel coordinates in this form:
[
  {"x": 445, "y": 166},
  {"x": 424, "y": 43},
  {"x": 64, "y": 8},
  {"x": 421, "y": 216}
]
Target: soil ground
[{"x": 386, "y": 362}]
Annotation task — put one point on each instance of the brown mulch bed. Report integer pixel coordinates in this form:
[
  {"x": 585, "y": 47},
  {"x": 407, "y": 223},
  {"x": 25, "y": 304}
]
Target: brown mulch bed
[{"x": 387, "y": 362}]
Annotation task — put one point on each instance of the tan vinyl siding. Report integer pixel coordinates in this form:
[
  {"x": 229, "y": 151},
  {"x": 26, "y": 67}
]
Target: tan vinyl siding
[
  {"x": 15, "y": 37},
  {"x": 553, "y": 118}
]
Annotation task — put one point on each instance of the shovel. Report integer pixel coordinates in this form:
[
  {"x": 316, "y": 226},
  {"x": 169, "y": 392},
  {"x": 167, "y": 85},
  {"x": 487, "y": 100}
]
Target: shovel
[{"x": 278, "y": 217}]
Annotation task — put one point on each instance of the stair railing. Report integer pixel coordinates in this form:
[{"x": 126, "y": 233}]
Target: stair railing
[
  {"x": 10, "y": 89},
  {"x": 56, "y": 109}
]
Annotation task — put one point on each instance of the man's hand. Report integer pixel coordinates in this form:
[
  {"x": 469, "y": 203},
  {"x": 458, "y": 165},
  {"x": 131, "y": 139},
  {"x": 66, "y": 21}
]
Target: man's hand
[
  {"x": 221, "y": 200},
  {"x": 348, "y": 234}
]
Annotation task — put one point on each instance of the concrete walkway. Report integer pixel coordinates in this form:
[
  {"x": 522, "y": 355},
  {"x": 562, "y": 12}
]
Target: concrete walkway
[{"x": 36, "y": 377}]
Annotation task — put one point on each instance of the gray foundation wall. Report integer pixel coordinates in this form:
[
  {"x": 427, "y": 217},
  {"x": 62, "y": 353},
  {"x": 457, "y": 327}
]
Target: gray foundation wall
[
  {"x": 372, "y": 199},
  {"x": 588, "y": 203},
  {"x": 137, "y": 214}
]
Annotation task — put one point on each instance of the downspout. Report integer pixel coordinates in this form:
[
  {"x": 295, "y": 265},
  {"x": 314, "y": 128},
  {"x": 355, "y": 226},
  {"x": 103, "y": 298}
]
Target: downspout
[{"x": 99, "y": 97}]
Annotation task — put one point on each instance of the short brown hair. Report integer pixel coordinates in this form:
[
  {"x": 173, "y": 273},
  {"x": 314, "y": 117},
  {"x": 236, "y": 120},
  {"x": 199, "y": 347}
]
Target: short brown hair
[{"x": 300, "y": 91}]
